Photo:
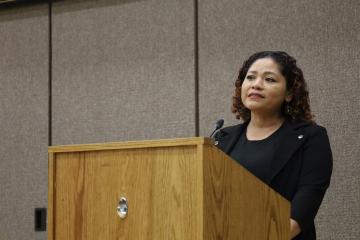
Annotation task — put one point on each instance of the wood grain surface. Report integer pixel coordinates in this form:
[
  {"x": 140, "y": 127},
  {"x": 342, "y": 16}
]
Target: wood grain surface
[
  {"x": 176, "y": 189},
  {"x": 238, "y": 205},
  {"x": 162, "y": 186}
]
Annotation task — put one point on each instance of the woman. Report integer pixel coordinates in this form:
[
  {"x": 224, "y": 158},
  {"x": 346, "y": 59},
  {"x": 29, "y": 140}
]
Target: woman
[{"x": 279, "y": 142}]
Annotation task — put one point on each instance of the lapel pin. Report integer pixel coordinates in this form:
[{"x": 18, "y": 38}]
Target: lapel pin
[{"x": 300, "y": 136}]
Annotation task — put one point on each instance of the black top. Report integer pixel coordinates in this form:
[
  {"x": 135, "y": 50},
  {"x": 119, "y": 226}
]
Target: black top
[{"x": 256, "y": 155}]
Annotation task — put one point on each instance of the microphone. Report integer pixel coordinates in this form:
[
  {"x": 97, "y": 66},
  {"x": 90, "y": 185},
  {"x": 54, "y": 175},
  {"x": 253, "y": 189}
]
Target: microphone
[{"x": 219, "y": 124}]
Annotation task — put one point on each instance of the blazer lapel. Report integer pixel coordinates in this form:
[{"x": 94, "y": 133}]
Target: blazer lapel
[{"x": 293, "y": 137}]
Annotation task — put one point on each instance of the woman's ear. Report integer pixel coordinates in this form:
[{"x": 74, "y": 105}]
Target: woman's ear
[{"x": 288, "y": 97}]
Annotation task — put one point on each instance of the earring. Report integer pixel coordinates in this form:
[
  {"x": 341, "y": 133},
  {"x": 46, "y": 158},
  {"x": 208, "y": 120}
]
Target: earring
[{"x": 287, "y": 108}]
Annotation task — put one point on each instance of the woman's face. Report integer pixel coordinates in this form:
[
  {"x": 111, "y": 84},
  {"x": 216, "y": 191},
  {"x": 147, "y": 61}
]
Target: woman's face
[{"x": 264, "y": 87}]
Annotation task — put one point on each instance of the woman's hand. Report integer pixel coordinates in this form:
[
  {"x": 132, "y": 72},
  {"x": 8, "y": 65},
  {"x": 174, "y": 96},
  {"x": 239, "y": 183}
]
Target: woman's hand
[{"x": 294, "y": 228}]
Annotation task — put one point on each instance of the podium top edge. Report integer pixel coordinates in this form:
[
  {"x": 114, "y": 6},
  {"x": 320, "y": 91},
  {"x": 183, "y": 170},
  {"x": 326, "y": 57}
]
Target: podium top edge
[{"x": 132, "y": 144}]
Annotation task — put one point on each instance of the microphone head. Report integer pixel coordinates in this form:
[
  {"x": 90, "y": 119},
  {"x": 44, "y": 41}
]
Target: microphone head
[{"x": 219, "y": 123}]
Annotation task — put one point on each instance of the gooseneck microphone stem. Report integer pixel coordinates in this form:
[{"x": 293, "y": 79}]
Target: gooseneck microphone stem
[{"x": 219, "y": 125}]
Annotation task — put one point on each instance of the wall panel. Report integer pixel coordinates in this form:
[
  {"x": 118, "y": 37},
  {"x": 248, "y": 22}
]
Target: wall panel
[
  {"x": 23, "y": 119},
  {"x": 324, "y": 37},
  {"x": 122, "y": 70}
]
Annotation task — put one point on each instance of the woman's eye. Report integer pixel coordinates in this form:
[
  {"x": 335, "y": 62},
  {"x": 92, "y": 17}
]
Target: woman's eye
[
  {"x": 250, "y": 77},
  {"x": 270, "y": 80}
]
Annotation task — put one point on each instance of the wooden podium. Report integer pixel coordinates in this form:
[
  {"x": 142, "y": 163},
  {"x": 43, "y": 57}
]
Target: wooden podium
[{"x": 183, "y": 189}]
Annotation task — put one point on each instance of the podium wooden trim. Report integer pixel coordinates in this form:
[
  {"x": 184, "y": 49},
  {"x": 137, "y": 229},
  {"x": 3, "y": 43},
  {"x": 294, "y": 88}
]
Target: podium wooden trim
[
  {"x": 132, "y": 144},
  {"x": 177, "y": 189}
]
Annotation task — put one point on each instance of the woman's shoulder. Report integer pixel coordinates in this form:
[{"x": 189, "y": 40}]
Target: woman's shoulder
[
  {"x": 311, "y": 128},
  {"x": 230, "y": 130},
  {"x": 314, "y": 134}
]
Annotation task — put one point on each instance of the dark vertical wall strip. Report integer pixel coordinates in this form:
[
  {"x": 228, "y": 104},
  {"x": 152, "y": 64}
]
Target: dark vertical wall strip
[
  {"x": 196, "y": 67},
  {"x": 50, "y": 72}
]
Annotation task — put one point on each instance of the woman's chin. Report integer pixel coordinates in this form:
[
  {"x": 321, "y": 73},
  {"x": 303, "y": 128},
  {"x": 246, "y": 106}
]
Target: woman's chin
[{"x": 254, "y": 106}]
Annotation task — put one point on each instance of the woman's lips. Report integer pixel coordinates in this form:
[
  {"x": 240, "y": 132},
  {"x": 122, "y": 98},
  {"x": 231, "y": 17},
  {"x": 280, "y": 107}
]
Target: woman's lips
[{"x": 255, "y": 95}]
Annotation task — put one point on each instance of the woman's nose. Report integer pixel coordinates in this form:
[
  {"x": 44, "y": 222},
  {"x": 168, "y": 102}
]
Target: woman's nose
[{"x": 257, "y": 83}]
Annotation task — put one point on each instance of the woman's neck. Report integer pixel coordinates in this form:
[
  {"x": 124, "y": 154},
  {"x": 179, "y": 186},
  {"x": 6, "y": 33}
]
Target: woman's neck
[
  {"x": 265, "y": 120},
  {"x": 262, "y": 126}
]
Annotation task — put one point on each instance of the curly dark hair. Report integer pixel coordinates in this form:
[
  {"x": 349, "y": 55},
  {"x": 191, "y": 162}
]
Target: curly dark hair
[{"x": 298, "y": 108}]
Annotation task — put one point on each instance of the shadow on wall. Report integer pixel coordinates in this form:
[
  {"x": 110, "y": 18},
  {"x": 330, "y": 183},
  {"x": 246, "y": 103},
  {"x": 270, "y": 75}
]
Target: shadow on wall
[
  {"x": 76, "y": 5},
  {"x": 22, "y": 9}
]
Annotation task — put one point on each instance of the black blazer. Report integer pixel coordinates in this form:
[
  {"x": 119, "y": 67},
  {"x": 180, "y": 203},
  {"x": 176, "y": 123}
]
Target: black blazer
[{"x": 300, "y": 170}]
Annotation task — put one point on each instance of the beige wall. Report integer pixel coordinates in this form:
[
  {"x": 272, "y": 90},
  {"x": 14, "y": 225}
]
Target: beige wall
[
  {"x": 23, "y": 119},
  {"x": 122, "y": 70},
  {"x": 125, "y": 70}
]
